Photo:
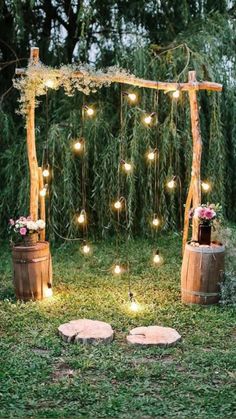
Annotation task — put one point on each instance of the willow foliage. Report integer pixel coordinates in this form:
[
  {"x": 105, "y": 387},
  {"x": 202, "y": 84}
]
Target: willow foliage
[{"x": 145, "y": 189}]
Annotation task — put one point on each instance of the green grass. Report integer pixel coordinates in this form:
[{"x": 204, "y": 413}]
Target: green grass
[{"x": 42, "y": 376}]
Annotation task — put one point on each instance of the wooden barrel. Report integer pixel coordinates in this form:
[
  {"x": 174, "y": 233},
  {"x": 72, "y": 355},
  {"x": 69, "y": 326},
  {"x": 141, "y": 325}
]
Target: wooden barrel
[
  {"x": 202, "y": 272},
  {"x": 32, "y": 271}
]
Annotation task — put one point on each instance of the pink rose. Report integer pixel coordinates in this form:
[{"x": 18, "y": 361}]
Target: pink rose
[
  {"x": 209, "y": 214},
  {"x": 11, "y": 222},
  {"x": 23, "y": 231}
]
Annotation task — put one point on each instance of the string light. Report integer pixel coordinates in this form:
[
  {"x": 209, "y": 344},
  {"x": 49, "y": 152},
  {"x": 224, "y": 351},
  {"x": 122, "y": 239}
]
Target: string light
[
  {"x": 118, "y": 204},
  {"x": 49, "y": 83},
  {"x": 131, "y": 96},
  {"x": 82, "y": 217},
  {"x": 151, "y": 155},
  {"x": 48, "y": 291},
  {"x": 89, "y": 111},
  {"x": 157, "y": 259},
  {"x": 46, "y": 172},
  {"x": 171, "y": 184},
  {"x": 148, "y": 119},
  {"x": 134, "y": 306},
  {"x": 43, "y": 191},
  {"x": 78, "y": 145},
  {"x": 205, "y": 186},
  {"x": 86, "y": 249},
  {"x": 176, "y": 94},
  {"x": 127, "y": 166},
  {"x": 117, "y": 269},
  {"x": 155, "y": 221}
]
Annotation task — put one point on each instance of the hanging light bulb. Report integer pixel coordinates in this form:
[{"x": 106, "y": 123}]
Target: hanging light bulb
[
  {"x": 49, "y": 83},
  {"x": 89, "y": 110},
  {"x": 157, "y": 259},
  {"x": 118, "y": 204},
  {"x": 48, "y": 291},
  {"x": 134, "y": 306},
  {"x": 43, "y": 191},
  {"x": 78, "y": 144},
  {"x": 151, "y": 155},
  {"x": 117, "y": 269},
  {"x": 155, "y": 221},
  {"x": 82, "y": 217},
  {"x": 205, "y": 186},
  {"x": 149, "y": 118},
  {"x": 86, "y": 249},
  {"x": 176, "y": 94},
  {"x": 171, "y": 184},
  {"x": 132, "y": 97},
  {"x": 46, "y": 173},
  {"x": 127, "y": 166}
]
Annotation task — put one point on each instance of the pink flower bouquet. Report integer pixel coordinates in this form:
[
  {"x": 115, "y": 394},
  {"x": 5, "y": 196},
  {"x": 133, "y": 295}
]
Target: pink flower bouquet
[{"x": 206, "y": 214}]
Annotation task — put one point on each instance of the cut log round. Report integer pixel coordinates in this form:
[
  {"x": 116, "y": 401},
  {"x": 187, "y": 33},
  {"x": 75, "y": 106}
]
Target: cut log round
[
  {"x": 86, "y": 331},
  {"x": 202, "y": 272},
  {"x": 32, "y": 271},
  {"x": 153, "y": 335}
]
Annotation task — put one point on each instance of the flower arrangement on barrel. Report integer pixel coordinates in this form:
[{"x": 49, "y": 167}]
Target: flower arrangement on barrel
[
  {"x": 206, "y": 214},
  {"x": 25, "y": 230}
]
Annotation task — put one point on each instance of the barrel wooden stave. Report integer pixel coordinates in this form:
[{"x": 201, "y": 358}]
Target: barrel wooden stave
[
  {"x": 32, "y": 271},
  {"x": 201, "y": 274}
]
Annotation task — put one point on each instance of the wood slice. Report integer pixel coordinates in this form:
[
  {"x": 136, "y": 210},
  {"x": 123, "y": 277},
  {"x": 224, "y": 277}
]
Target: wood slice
[
  {"x": 86, "y": 331},
  {"x": 153, "y": 335}
]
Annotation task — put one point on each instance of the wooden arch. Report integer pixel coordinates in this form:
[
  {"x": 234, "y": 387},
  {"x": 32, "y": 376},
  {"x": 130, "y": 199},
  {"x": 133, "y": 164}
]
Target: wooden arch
[{"x": 192, "y": 87}]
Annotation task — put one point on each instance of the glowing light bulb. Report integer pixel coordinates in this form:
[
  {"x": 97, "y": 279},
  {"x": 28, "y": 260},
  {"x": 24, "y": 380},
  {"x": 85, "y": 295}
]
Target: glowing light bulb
[
  {"x": 49, "y": 83},
  {"x": 132, "y": 97},
  {"x": 86, "y": 249},
  {"x": 155, "y": 222},
  {"x": 151, "y": 155},
  {"x": 176, "y": 94},
  {"x": 117, "y": 205},
  {"x": 205, "y": 186},
  {"x": 171, "y": 184},
  {"x": 127, "y": 167},
  {"x": 81, "y": 218},
  {"x": 48, "y": 290},
  {"x": 117, "y": 269},
  {"x": 148, "y": 119},
  {"x": 90, "y": 111},
  {"x": 134, "y": 306},
  {"x": 43, "y": 192},
  {"x": 45, "y": 173},
  {"x": 157, "y": 259},
  {"x": 78, "y": 146}
]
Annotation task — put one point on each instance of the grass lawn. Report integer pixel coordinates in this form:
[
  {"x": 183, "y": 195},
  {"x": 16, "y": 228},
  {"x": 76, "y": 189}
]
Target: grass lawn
[{"x": 42, "y": 376}]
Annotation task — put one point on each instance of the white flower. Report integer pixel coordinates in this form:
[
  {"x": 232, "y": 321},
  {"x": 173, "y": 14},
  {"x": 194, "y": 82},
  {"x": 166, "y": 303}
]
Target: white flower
[
  {"x": 40, "y": 224},
  {"x": 31, "y": 225}
]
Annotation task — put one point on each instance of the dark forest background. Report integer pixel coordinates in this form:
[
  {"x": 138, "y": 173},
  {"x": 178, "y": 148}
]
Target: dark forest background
[{"x": 158, "y": 40}]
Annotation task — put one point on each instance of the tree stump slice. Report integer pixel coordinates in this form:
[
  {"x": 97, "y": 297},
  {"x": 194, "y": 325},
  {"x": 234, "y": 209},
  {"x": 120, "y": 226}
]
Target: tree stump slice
[
  {"x": 153, "y": 335},
  {"x": 86, "y": 331}
]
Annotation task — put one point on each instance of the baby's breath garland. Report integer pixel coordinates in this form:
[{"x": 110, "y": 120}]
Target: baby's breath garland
[{"x": 37, "y": 78}]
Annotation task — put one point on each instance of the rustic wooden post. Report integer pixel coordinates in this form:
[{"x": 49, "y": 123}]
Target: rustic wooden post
[
  {"x": 31, "y": 147},
  {"x": 194, "y": 194},
  {"x": 41, "y": 204}
]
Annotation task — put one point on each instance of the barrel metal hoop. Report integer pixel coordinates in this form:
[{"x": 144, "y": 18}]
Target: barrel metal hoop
[
  {"x": 201, "y": 294},
  {"x": 36, "y": 260}
]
